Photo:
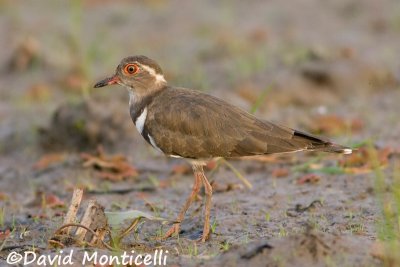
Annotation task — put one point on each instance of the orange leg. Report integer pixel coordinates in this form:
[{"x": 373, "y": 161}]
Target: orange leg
[
  {"x": 207, "y": 208},
  {"x": 196, "y": 188}
]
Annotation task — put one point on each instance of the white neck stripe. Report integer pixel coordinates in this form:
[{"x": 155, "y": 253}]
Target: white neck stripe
[{"x": 139, "y": 123}]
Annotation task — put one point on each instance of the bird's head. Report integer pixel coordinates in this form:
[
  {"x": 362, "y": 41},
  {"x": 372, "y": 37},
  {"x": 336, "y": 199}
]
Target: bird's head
[{"x": 139, "y": 74}]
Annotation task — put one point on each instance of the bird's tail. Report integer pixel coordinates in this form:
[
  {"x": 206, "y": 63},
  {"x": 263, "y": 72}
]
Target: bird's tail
[
  {"x": 334, "y": 148},
  {"x": 318, "y": 144}
]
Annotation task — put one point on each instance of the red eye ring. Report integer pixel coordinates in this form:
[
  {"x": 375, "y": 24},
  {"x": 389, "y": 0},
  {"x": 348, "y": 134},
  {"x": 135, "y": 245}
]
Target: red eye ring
[{"x": 131, "y": 69}]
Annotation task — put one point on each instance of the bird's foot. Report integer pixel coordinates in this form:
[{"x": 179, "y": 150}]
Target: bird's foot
[
  {"x": 206, "y": 234},
  {"x": 203, "y": 238},
  {"x": 174, "y": 230}
]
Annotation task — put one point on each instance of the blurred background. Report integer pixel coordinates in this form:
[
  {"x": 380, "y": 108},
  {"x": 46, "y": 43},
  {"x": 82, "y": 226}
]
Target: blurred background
[
  {"x": 270, "y": 57},
  {"x": 327, "y": 67}
]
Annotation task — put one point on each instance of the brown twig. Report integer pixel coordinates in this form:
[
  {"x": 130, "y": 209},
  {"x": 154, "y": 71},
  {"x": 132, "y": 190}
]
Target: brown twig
[
  {"x": 55, "y": 242},
  {"x": 129, "y": 229},
  {"x": 59, "y": 230},
  {"x": 86, "y": 220},
  {"x": 73, "y": 208}
]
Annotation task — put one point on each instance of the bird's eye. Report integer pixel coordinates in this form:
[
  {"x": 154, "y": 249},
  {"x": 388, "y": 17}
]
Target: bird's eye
[{"x": 131, "y": 69}]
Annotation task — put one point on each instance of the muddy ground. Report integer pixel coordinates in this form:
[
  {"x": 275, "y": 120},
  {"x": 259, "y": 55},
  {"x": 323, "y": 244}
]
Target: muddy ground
[{"x": 327, "y": 67}]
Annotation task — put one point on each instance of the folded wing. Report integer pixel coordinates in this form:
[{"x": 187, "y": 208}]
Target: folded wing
[{"x": 195, "y": 125}]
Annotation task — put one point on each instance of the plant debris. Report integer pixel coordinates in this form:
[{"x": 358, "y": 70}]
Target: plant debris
[
  {"x": 310, "y": 178},
  {"x": 253, "y": 251},
  {"x": 90, "y": 230},
  {"x": 334, "y": 125},
  {"x": 48, "y": 160},
  {"x": 113, "y": 168},
  {"x": 96, "y": 226},
  {"x": 298, "y": 209},
  {"x": 46, "y": 200},
  {"x": 219, "y": 188},
  {"x": 26, "y": 55},
  {"x": 280, "y": 172},
  {"x": 364, "y": 159},
  {"x": 82, "y": 126}
]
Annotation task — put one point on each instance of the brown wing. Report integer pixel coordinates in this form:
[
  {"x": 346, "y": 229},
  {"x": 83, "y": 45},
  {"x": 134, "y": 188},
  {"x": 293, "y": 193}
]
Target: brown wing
[{"x": 191, "y": 124}]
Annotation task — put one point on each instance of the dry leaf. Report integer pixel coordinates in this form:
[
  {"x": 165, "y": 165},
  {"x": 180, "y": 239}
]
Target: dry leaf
[
  {"x": 46, "y": 200},
  {"x": 334, "y": 125},
  {"x": 248, "y": 92},
  {"x": 25, "y": 55},
  {"x": 74, "y": 81},
  {"x": 219, "y": 188},
  {"x": 362, "y": 160},
  {"x": 3, "y": 196},
  {"x": 358, "y": 158},
  {"x": 378, "y": 250},
  {"x": 258, "y": 35},
  {"x": 52, "y": 201},
  {"x": 5, "y": 234},
  {"x": 39, "y": 92},
  {"x": 280, "y": 172},
  {"x": 114, "y": 168},
  {"x": 181, "y": 169},
  {"x": 49, "y": 159},
  {"x": 211, "y": 165},
  {"x": 385, "y": 252},
  {"x": 311, "y": 178},
  {"x": 348, "y": 52}
]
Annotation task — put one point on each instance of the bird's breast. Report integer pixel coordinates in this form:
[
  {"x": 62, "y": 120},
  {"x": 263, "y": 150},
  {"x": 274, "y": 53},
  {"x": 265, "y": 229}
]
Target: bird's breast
[{"x": 139, "y": 114}]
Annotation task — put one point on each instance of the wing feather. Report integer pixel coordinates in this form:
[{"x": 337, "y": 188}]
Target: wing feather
[{"x": 191, "y": 124}]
